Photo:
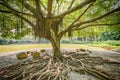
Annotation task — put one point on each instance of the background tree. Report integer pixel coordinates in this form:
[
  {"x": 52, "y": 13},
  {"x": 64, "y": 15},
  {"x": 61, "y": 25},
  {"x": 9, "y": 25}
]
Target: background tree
[{"x": 49, "y": 16}]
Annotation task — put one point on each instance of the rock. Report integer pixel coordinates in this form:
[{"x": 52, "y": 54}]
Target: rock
[
  {"x": 35, "y": 55},
  {"x": 21, "y": 55},
  {"x": 83, "y": 50},
  {"x": 42, "y": 50}
]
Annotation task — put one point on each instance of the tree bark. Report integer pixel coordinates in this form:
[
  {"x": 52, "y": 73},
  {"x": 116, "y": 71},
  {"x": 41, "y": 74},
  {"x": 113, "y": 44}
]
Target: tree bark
[{"x": 57, "y": 55}]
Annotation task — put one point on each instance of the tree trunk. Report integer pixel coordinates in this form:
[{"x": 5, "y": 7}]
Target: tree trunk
[{"x": 57, "y": 55}]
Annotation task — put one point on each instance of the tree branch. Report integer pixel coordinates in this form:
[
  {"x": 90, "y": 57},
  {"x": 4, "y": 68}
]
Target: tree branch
[
  {"x": 49, "y": 7},
  {"x": 57, "y": 6},
  {"x": 71, "y": 25},
  {"x": 27, "y": 6},
  {"x": 38, "y": 7},
  {"x": 83, "y": 27},
  {"x": 6, "y": 11},
  {"x": 16, "y": 13},
  {"x": 39, "y": 14},
  {"x": 74, "y": 8},
  {"x": 71, "y": 4},
  {"x": 9, "y": 7},
  {"x": 97, "y": 18},
  {"x": 25, "y": 19}
]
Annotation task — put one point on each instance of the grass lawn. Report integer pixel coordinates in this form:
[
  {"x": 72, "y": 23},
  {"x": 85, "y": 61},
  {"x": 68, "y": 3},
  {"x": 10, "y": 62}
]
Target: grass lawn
[
  {"x": 109, "y": 45},
  {"x": 10, "y": 48}
]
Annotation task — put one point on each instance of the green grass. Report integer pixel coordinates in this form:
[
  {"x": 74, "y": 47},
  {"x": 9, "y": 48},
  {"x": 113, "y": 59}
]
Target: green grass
[
  {"x": 10, "y": 48},
  {"x": 107, "y": 44},
  {"x": 98, "y": 45}
]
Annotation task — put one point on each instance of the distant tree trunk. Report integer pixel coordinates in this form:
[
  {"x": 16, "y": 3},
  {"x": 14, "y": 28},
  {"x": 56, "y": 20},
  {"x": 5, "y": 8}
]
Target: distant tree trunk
[
  {"x": 86, "y": 38},
  {"x": 95, "y": 38},
  {"x": 78, "y": 38}
]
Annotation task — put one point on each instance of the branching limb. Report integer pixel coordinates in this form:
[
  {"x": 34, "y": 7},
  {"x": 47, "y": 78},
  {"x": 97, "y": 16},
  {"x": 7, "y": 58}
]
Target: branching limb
[
  {"x": 25, "y": 19},
  {"x": 16, "y": 13},
  {"x": 49, "y": 7},
  {"x": 8, "y": 11},
  {"x": 57, "y": 6},
  {"x": 72, "y": 2},
  {"x": 77, "y": 25},
  {"x": 71, "y": 25},
  {"x": 39, "y": 14},
  {"x": 28, "y": 6},
  {"x": 82, "y": 27},
  {"x": 5, "y": 11},
  {"x": 81, "y": 5},
  {"x": 97, "y": 18},
  {"x": 79, "y": 16}
]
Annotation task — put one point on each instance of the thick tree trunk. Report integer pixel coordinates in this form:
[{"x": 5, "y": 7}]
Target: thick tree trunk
[{"x": 57, "y": 55}]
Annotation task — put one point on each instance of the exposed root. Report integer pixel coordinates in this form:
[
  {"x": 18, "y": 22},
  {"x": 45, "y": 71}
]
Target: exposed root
[{"x": 47, "y": 69}]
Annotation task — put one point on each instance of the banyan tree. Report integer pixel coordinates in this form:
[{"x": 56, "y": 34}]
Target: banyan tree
[
  {"x": 52, "y": 19},
  {"x": 49, "y": 17}
]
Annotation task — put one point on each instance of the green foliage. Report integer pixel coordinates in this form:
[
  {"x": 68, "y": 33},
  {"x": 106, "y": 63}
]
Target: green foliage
[
  {"x": 8, "y": 22},
  {"x": 113, "y": 43},
  {"x": 109, "y": 45},
  {"x": 108, "y": 35},
  {"x": 12, "y": 27}
]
